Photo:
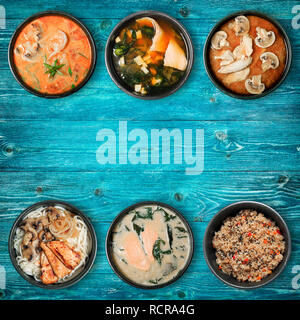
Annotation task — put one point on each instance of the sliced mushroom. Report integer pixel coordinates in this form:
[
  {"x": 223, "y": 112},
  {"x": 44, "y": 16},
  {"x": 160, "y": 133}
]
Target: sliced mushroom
[
  {"x": 219, "y": 41},
  {"x": 28, "y": 251},
  {"x": 42, "y": 222},
  {"x": 34, "y": 33},
  {"x": 264, "y": 38},
  {"x": 27, "y": 238},
  {"x": 237, "y": 76},
  {"x": 269, "y": 61},
  {"x": 29, "y": 226},
  {"x": 226, "y": 57},
  {"x": 236, "y": 66},
  {"x": 244, "y": 49},
  {"x": 254, "y": 85},
  {"x": 28, "y": 50},
  {"x": 241, "y": 25},
  {"x": 53, "y": 214},
  {"x": 45, "y": 235}
]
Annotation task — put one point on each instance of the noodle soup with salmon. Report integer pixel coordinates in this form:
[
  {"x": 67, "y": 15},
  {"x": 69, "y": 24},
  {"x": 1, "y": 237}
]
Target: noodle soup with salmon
[{"x": 52, "y": 244}]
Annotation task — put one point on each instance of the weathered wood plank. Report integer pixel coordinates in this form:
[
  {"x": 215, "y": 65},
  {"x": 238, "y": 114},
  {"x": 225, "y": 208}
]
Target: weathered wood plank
[
  {"x": 178, "y": 8},
  {"x": 72, "y": 146},
  {"x": 102, "y": 100},
  {"x": 102, "y": 195}
]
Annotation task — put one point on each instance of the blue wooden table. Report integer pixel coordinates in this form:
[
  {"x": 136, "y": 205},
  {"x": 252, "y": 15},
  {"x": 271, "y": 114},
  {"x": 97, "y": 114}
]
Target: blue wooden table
[{"x": 48, "y": 150}]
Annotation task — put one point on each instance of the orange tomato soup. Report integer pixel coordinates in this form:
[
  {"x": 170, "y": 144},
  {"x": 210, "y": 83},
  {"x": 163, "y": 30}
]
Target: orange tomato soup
[{"x": 52, "y": 54}]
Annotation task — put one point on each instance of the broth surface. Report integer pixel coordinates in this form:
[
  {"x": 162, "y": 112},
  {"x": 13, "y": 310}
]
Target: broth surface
[{"x": 52, "y": 54}]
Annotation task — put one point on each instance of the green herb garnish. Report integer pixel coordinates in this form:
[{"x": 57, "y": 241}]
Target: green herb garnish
[
  {"x": 148, "y": 32},
  {"x": 167, "y": 216},
  {"x": 52, "y": 70},
  {"x": 81, "y": 54},
  {"x": 70, "y": 71},
  {"x": 122, "y": 47},
  {"x": 155, "y": 281},
  {"x": 157, "y": 252},
  {"x": 181, "y": 229},
  {"x": 138, "y": 229},
  {"x": 148, "y": 215},
  {"x": 170, "y": 235}
]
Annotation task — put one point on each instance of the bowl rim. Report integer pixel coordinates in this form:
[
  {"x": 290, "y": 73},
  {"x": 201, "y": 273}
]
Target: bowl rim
[
  {"x": 11, "y": 51},
  {"x": 273, "y": 212},
  {"x": 92, "y": 255},
  {"x": 119, "y": 217},
  {"x": 177, "y": 25},
  {"x": 218, "y": 84}
]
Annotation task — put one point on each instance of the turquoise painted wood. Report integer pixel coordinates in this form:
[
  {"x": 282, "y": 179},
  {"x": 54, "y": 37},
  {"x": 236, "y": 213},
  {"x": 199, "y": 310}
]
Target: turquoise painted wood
[{"x": 48, "y": 150}]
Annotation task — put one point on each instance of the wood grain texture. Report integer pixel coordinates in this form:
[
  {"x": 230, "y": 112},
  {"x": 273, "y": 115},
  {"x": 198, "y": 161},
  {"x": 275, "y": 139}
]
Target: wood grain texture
[
  {"x": 48, "y": 150},
  {"x": 72, "y": 145}
]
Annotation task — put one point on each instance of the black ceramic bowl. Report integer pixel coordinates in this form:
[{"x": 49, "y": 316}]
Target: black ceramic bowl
[
  {"x": 119, "y": 217},
  {"x": 11, "y": 54},
  {"x": 215, "y": 225},
  {"x": 178, "y": 27},
  {"x": 81, "y": 272},
  {"x": 218, "y": 84}
]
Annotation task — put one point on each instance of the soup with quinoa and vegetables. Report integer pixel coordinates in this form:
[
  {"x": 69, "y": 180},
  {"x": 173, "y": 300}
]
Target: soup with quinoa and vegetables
[
  {"x": 150, "y": 56},
  {"x": 248, "y": 246},
  {"x": 151, "y": 245},
  {"x": 248, "y": 55},
  {"x": 52, "y": 54}
]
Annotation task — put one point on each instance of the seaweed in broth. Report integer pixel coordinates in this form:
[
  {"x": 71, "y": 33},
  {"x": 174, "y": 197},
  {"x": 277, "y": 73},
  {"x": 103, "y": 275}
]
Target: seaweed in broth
[{"x": 142, "y": 69}]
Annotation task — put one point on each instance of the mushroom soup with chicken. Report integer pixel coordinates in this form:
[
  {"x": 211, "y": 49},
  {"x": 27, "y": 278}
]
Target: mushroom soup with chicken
[
  {"x": 151, "y": 245},
  {"x": 248, "y": 55},
  {"x": 150, "y": 56},
  {"x": 52, "y": 244},
  {"x": 52, "y": 54}
]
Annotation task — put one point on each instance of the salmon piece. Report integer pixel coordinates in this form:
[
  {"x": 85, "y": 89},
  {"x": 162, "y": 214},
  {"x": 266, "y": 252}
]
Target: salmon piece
[
  {"x": 161, "y": 39},
  {"x": 149, "y": 236},
  {"x": 175, "y": 56},
  {"x": 48, "y": 275},
  {"x": 134, "y": 252},
  {"x": 58, "y": 267},
  {"x": 69, "y": 257}
]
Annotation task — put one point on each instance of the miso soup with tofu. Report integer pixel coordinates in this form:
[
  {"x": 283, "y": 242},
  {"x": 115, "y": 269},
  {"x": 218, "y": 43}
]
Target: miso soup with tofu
[
  {"x": 149, "y": 56},
  {"x": 150, "y": 245}
]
